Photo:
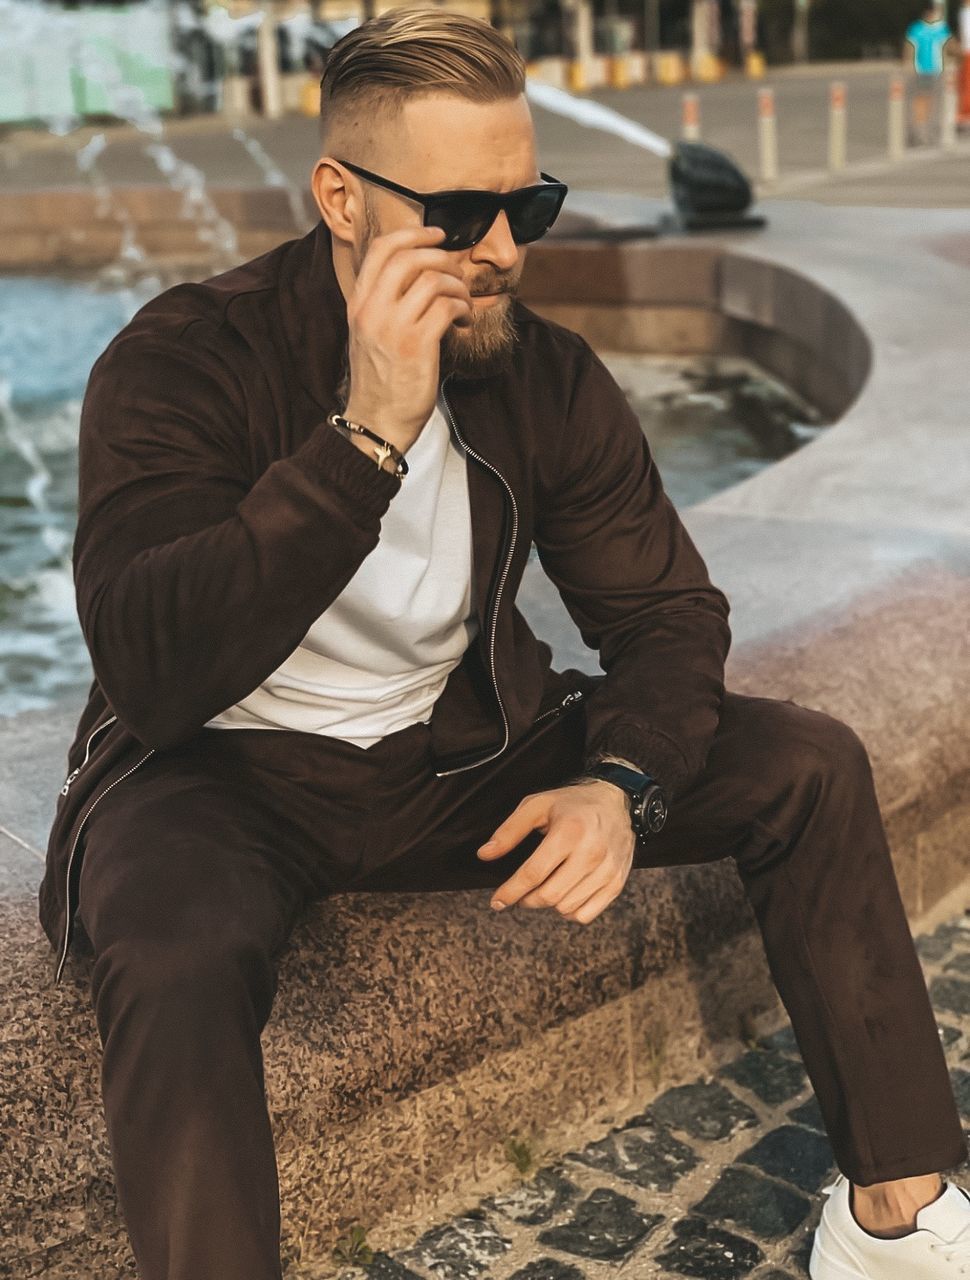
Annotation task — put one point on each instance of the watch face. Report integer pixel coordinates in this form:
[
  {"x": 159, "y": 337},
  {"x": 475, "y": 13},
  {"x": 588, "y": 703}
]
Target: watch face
[{"x": 652, "y": 810}]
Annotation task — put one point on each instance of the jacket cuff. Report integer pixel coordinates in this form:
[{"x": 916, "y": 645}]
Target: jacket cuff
[
  {"x": 653, "y": 753},
  {"x": 329, "y": 458}
]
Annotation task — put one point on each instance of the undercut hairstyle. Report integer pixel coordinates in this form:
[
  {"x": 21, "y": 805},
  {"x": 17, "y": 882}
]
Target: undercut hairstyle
[{"x": 404, "y": 53}]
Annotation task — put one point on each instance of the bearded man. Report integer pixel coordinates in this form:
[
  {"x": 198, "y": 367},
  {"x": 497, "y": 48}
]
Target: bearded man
[{"x": 308, "y": 491}]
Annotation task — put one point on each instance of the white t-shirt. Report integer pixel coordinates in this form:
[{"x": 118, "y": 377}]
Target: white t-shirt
[{"x": 377, "y": 659}]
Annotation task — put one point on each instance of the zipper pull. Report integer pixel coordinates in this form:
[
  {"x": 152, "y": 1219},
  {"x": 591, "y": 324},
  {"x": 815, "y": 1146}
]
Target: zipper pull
[
  {"x": 572, "y": 697},
  {"x": 68, "y": 780}
]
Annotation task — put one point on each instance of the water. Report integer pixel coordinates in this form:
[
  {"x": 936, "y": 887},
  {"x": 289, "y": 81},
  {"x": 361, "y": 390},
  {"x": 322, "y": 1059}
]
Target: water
[{"x": 710, "y": 423}]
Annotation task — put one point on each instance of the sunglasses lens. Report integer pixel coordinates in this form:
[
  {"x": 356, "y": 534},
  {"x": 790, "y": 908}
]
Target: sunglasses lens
[
  {"x": 466, "y": 220},
  {"x": 534, "y": 214}
]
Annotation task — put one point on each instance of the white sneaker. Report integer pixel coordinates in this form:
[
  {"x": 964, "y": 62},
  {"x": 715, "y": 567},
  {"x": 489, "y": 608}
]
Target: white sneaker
[{"x": 939, "y": 1248}]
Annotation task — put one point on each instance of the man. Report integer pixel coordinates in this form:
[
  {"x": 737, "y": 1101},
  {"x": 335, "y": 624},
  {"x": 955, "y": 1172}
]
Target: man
[
  {"x": 929, "y": 36},
  {"x": 308, "y": 490}
]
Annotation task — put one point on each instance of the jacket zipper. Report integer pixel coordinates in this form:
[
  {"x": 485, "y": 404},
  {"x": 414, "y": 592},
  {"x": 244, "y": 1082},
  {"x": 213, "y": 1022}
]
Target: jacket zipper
[
  {"x": 498, "y": 595},
  {"x": 560, "y": 707},
  {"x": 70, "y": 861},
  {"x": 74, "y": 772}
]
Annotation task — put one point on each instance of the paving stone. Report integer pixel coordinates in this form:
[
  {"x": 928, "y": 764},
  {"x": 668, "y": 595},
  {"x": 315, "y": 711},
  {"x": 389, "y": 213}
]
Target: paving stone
[
  {"x": 948, "y": 1034},
  {"x": 771, "y": 1075},
  {"x": 960, "y": 1079},
  {"x": 783, "y": 1040},
  {"x": 774, "y": 1274},
  {"x": 798, "y": 1155},
  {"x": 709, "y": 1252},
  {"x": 705, "y": 1110},
  {"x": 548, "y": 1269},
  {"x": 959, "y": 964},
  {"x": 766, "y": 1209},
  {"x": 465, "y": 1246},
  {"x": 538, "y": 1199},
  {"x": 383, "y": 1267},
  {"x": 932, "y": 948},
  {"x": 651, "y": 1157},
  {"x": 798, "y": 1258},
  {"x": 606, "y": 1226},
  {"x": 950, "y": 993},
  {"x": 809, "y": 1113}
]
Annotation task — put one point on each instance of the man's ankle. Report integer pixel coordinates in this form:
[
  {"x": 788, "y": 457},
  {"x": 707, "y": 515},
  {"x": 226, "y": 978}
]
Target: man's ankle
[{"x": 888, "y": 1210}]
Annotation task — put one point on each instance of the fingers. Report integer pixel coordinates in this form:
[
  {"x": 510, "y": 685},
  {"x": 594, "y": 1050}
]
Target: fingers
[
  {"x": 529, "y": 814},
  {"x": 536, "y": 869}
]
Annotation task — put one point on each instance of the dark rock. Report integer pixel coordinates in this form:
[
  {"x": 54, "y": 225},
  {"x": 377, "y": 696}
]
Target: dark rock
[
  {"x": 932, "y": 948},
  {"x": 547, "y": 1269},
  {"x": 536, "y": 1200},
  {"x": 463, "y": 1247},
  {"x": 960, "y": 1079},
  {"x": 798, "y": 1155},
  {"x": 959, "y": 964},
  {"x": 651, "y": 1157},
  {"x": 709, "y": 1252},
  {"x": 385, "y": 1267},
  {"x": 809, "y": 1113},
  {"x": 951, "y": 994},
  {"x": 783, "y": 1040},
  {"x": 768, "y": 1073},
  {"x": 605, "y": 1225},
  {"x": 704, "y": 1110},
  {"x": 752, "y": 1203},
  {"x": 948, "y": 1034}
]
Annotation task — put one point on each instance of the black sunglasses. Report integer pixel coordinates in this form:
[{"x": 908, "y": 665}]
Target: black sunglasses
[{"x": 465, "y": 215}]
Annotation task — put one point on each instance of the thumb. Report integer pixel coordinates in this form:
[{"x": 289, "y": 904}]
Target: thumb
[{"x": 523, "y": 819}]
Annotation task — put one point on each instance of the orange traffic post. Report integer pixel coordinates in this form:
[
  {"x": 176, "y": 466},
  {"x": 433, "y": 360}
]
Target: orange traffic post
[
  {"x": 837, "y": 125},
  {"x": 897, "y": 117},
  {"x": 767, "y": 135},
  {"x": 691, "y": 117}
]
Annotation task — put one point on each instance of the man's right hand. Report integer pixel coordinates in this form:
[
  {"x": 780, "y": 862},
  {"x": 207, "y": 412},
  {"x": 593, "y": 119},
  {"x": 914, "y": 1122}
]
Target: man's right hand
[{"x": 405, "y": 296}]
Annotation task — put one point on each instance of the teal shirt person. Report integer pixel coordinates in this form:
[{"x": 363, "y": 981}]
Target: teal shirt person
[{"x": 928, "y": 39}]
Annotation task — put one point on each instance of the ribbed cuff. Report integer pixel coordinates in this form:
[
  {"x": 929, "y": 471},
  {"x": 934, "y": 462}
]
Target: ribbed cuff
[
  {"x": 329, "y": 458},
  {"x": 653, "y": 752}
]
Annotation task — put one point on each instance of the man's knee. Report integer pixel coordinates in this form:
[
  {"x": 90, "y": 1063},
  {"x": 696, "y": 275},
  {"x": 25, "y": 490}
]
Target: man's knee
[
  {"x": 183, "y": 984},
  {"x": 796, "y": 754}
]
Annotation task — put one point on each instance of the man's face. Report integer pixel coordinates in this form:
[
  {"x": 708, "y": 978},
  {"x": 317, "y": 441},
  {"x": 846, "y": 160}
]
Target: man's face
[{"x": 448, "y": 143}]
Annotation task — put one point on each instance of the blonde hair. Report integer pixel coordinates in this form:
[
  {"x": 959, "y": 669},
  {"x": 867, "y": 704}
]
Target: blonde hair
[{"x": 404, "y": 53}]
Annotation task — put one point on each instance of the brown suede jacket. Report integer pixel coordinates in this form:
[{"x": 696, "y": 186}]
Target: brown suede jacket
[{"x": 219, "y": 515}]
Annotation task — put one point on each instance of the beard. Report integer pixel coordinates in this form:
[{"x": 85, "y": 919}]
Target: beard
[{"x": 487, "y": 344}]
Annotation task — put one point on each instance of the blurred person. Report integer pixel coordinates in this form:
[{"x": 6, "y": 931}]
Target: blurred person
[
  {"x": 308, "y": 490},
  {"x": 929, "y": 36}
]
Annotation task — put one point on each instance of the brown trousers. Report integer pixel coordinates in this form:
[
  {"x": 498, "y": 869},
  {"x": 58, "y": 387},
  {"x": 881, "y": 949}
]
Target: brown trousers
[{"x": 197, "y": 867}]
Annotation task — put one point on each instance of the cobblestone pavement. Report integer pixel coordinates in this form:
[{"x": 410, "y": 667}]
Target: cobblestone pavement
[{"x": 718, "y": 1178}]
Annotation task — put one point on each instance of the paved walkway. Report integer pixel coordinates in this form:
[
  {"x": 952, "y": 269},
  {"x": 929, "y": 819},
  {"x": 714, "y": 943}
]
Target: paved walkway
[{"x": 717, "y": 1178}]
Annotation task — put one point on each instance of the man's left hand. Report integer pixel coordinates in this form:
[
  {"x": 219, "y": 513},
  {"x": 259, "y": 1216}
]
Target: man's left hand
[{"x": 584, "y": 860}]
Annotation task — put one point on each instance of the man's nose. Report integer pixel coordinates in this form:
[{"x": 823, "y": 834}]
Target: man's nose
[{"x": 497, "y": 245}]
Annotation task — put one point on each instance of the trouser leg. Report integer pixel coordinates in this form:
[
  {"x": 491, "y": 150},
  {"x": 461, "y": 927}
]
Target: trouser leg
[
  {"x": 788, "y": 793},
  {"x": 185, "y": 914},
  {"x": 792, "y": 791}
]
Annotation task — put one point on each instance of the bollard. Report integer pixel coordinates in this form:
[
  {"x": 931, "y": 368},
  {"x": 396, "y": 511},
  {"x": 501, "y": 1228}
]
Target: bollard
[
  {"x": 617, "y": 71},
  {"x": 767, "y": 135},
  {"x": 577, "y": 75},
  {"x": 691, "y": 117},
  {"x": 897, "y": 117},
  {"x": 837, "y": 125},
  {"x": 948, "y": 123}
]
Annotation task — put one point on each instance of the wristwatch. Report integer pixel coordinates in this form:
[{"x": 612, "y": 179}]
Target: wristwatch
[{"x": 648, "y": 804}]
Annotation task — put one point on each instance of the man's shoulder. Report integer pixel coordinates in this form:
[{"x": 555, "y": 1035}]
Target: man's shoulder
[{"x": 204, "y": 311}]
